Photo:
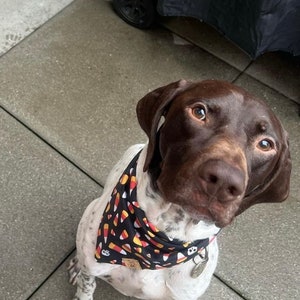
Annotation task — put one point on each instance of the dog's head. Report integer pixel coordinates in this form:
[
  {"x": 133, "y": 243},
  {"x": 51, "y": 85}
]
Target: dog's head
[{"x": 218, "y": 151}]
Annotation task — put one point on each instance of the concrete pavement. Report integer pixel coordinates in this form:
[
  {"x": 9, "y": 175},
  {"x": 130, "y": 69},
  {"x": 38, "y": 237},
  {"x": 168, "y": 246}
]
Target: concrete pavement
[{"x": 67, "y": 112}]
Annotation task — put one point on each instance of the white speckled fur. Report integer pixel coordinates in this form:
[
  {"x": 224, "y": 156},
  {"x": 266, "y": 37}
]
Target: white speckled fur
[{"x": 170, "y": 283}]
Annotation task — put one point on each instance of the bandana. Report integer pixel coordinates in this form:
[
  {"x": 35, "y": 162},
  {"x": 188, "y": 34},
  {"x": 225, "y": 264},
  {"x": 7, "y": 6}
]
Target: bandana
[{"x": 126, "y": 237}]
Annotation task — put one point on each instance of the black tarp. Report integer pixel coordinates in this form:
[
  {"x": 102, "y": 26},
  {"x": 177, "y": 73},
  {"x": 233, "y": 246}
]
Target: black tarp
[{"x": 256, "y": 26}]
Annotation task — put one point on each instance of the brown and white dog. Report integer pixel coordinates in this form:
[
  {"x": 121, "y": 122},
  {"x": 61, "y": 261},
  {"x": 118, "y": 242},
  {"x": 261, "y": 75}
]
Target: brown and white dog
[{"x": 213, "y": 151}]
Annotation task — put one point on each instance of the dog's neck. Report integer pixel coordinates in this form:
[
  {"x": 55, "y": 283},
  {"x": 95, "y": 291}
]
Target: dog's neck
[{"x": 168, "y": 217}]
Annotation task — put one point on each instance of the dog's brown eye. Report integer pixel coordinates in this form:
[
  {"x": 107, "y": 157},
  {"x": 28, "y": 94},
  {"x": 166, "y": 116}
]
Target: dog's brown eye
[
  {"x": 265, "y": 145},
  {"x": 199, "y": 112}
]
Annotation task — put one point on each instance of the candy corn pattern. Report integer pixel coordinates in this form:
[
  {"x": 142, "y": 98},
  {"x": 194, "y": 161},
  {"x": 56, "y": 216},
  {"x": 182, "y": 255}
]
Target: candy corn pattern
[{"x": 126, "y": 237}]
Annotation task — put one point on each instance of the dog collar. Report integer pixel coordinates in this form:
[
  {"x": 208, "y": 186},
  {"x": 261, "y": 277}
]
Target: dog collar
[{"x": 126, "y": 237}]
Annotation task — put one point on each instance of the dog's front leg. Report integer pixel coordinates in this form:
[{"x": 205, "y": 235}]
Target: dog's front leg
[{"x": 86, "y": 284}]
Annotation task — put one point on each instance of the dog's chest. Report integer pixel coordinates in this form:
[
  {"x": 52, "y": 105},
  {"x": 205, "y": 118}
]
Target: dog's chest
[
  {"x": 169, "y": 283},
  {"x": 172, "y": 283}
]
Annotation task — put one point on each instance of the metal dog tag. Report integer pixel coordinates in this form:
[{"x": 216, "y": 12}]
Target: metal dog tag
[{"x": 200, "y": 265}]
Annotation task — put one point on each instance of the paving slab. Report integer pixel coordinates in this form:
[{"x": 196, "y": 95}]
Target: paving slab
[
  {"x": 259, "y": 253},
  {"x": 58, "y": 288},
  {"x": 20, "y": 18},
  {"x": 42, "y": 199},
  {"x": 281, "y": 71},
  {"x": 208, "y": 38},
  {"x": 77, "y": 80}
]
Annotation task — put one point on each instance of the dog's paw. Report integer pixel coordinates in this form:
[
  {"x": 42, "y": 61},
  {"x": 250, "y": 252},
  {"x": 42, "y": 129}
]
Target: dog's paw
[{"x": 73, "y": 270}]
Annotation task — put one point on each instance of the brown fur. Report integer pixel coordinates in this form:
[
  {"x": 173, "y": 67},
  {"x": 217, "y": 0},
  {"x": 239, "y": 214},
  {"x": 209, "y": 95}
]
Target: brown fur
[{"x": 214, "y": 168}]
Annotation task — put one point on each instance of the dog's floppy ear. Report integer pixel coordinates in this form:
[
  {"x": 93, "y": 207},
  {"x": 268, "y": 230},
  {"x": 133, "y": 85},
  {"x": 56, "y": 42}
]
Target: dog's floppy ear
[
  {"x": 150, "y": 109},
  {"x": 277, "y": 186}
]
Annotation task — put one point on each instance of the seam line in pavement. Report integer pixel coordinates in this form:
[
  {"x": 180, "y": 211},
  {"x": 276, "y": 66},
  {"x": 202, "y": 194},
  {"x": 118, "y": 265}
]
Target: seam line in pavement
[
  {"x": 242, "y": 72},
  {"x": 230, "y": 287},
  {"x": 51, "y": 146},
  {"x": 66, "y": 257}
]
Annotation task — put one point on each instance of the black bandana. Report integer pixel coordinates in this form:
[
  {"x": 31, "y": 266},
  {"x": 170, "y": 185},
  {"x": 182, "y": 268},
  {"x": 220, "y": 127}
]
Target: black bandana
[{"x": 126, "y": 237}]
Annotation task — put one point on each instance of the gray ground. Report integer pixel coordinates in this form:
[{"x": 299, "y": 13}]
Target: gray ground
[{"x": 67, "y": 112}]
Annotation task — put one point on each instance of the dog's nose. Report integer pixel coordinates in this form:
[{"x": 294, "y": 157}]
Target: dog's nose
[{"x": 222, "y": 181}]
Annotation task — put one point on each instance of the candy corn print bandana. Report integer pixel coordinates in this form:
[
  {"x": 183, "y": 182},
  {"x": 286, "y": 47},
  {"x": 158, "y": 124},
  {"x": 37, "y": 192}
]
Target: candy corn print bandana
[{"x": 127, "y": 238}]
